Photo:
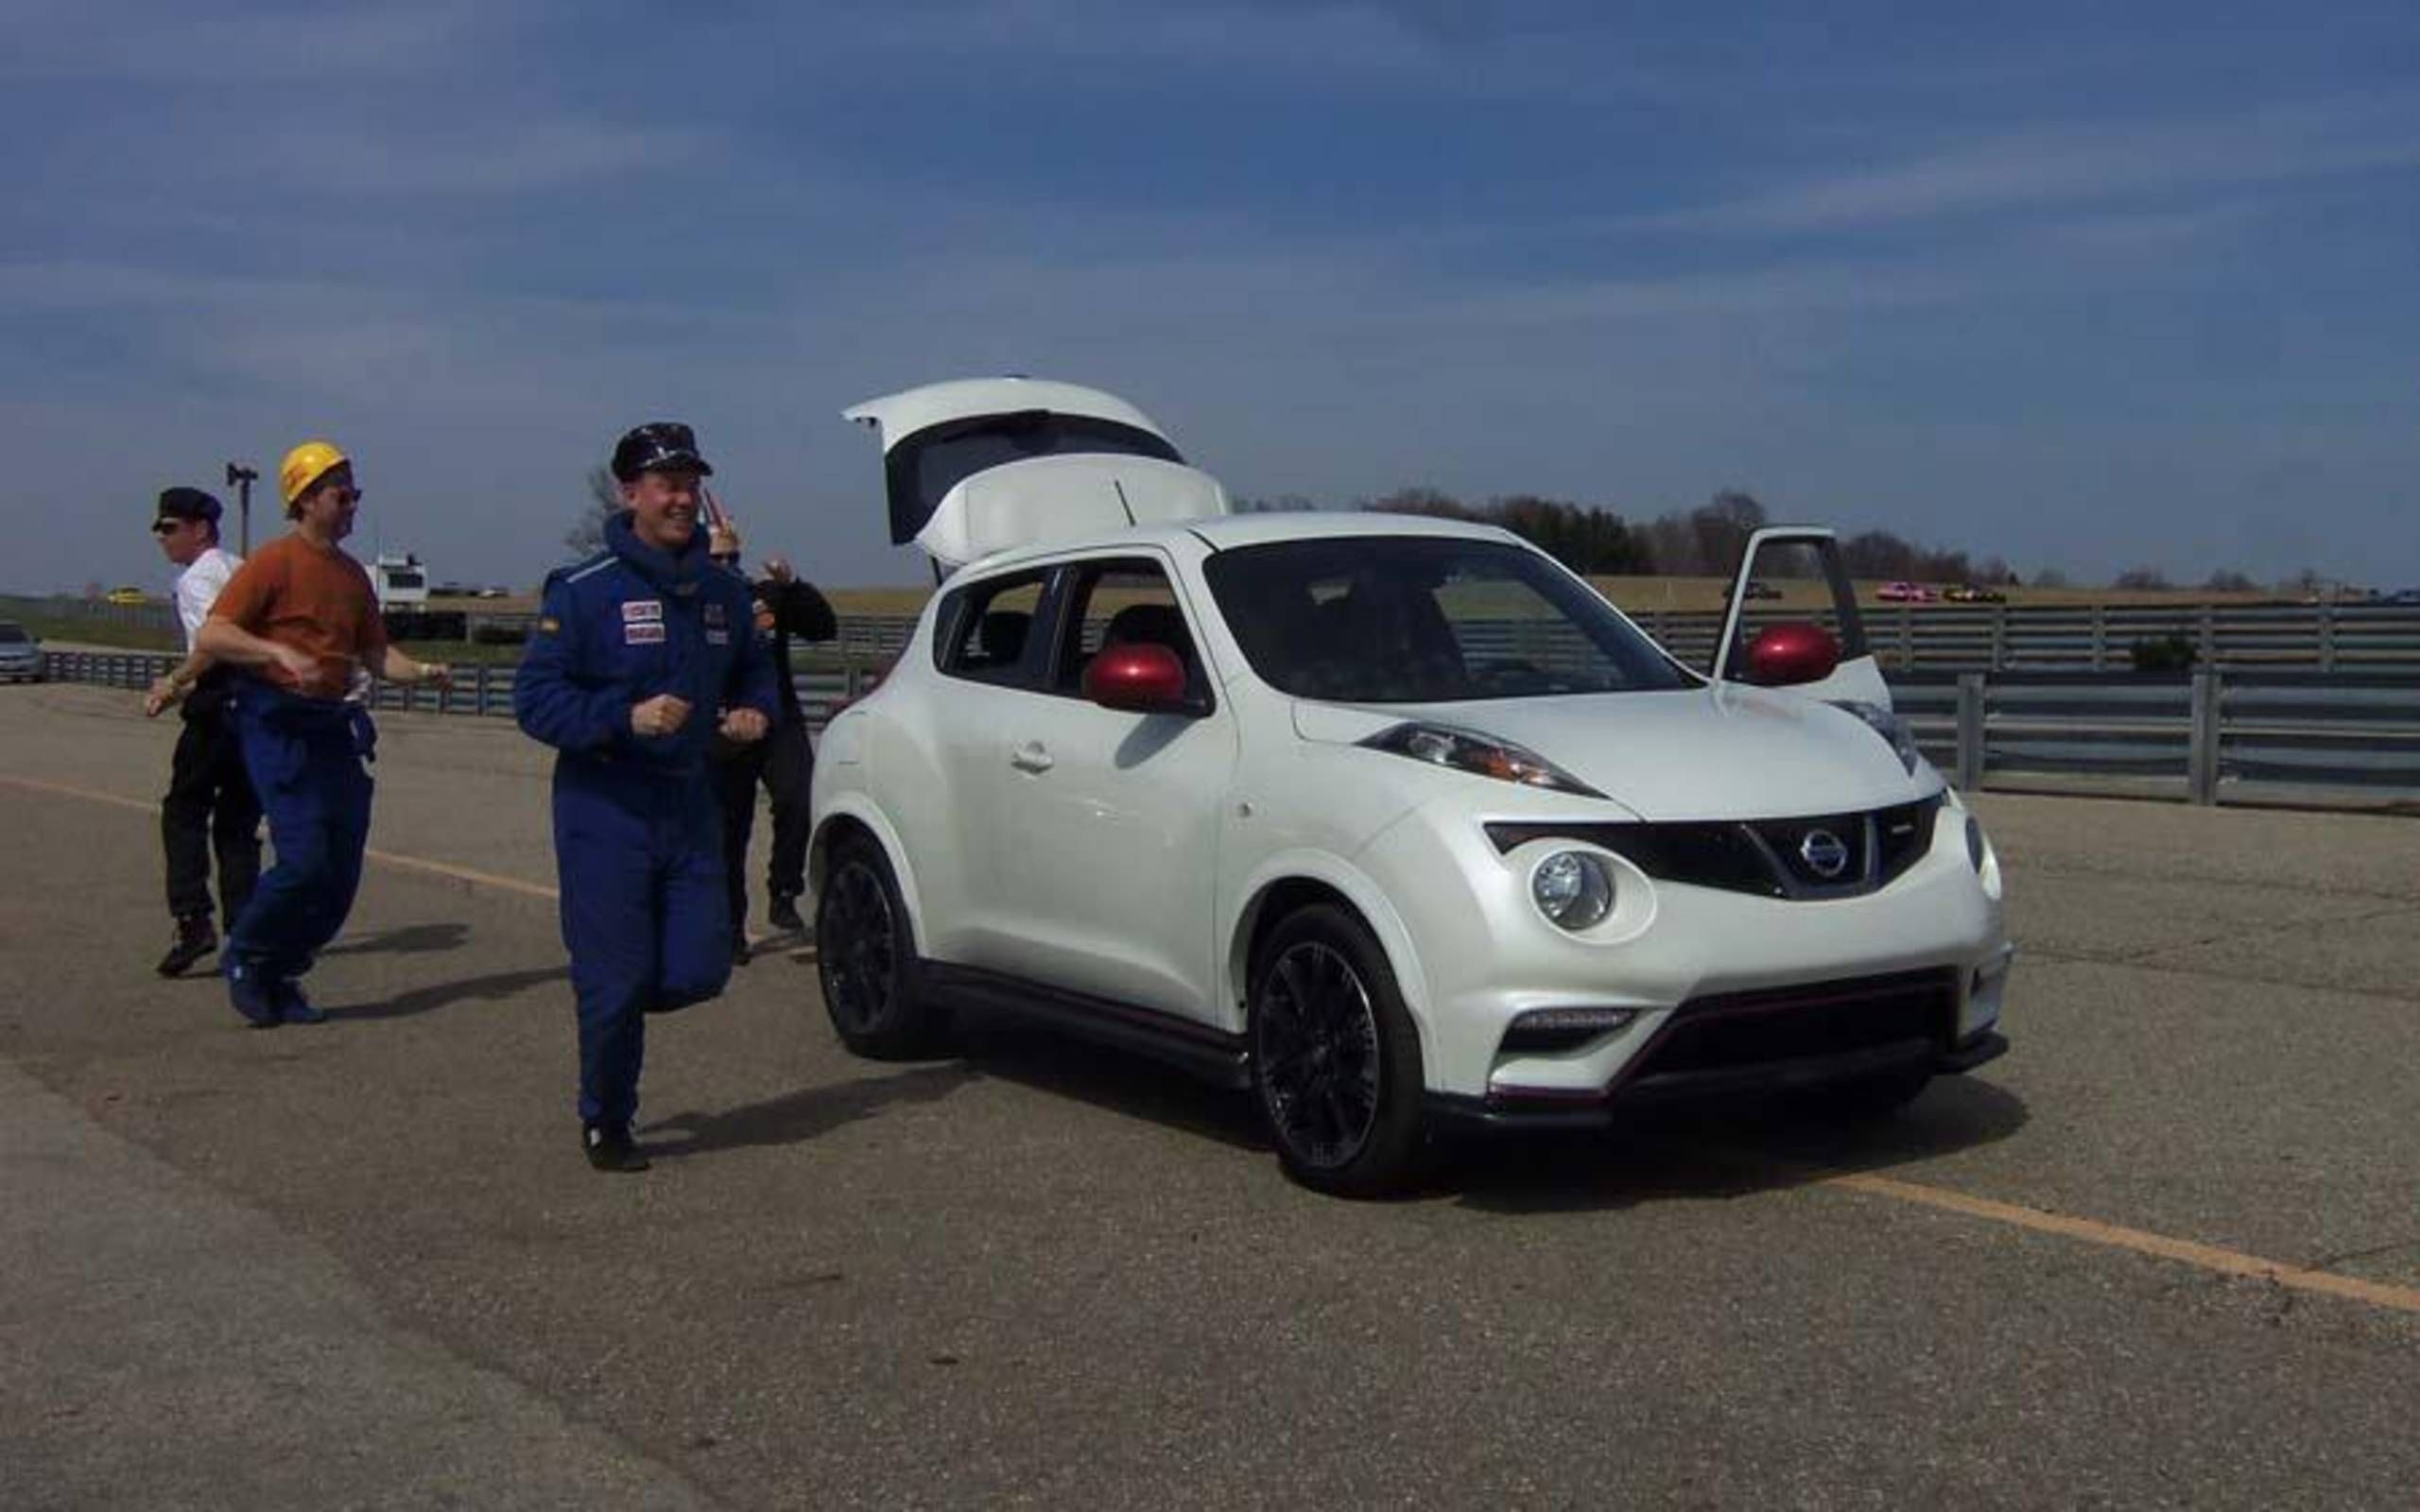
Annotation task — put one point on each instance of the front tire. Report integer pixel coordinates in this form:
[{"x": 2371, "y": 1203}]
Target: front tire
[
  {"x": 865, "y": 957},
  {"x": 1335, "y": 1056}
]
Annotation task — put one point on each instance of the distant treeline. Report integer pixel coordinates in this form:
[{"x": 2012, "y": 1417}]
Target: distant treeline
[{"x": 1703, "y": 542}]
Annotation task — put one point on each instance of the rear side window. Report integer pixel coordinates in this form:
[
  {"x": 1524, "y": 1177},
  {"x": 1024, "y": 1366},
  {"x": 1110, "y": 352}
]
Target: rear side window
[{"x": 986, "y": 629}]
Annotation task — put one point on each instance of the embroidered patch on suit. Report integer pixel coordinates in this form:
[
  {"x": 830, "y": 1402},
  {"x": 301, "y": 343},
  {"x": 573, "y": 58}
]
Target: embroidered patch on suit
[
  {"x": 636, "y": 610},
  {"x": 714, "y": 614},
  {"x": 717, "y": 636},
  {"x": 642, "y": 634}
]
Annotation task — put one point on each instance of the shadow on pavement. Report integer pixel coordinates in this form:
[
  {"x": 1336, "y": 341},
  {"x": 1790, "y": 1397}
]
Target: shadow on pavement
[
  {"x": 1728, "y": 1149},
  {"x": 1121, "y": 1082},
  {"x": 493, "y": 988},
  {"x": 412, "y": 939},
  {"x": 1725, "y": 1149},
  {"x": 797, "y": 1117}
]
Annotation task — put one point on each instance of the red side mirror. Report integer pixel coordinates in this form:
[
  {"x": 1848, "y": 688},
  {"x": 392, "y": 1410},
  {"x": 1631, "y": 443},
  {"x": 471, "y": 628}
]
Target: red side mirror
[
  {"x": 1140, "y": 678},
  {"x": 1784, "y": 655}
]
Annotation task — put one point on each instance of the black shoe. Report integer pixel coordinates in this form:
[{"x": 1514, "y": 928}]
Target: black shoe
[
  {"x": 739, "y": 952},
  {"x": 609, "y": 1148},
  {"x": 783, "y": 915},
  {"x": 195, "y": 939}
]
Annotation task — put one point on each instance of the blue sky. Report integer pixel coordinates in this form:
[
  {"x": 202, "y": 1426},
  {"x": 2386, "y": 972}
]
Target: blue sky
[{"x": 2085, "y": 285}]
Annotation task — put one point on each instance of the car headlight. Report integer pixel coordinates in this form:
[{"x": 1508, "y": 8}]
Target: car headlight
[
  {"x": 1893, "y": 730},
  {"x": 1573, "y": 889},
  {"x": 1467, "y": 750}
]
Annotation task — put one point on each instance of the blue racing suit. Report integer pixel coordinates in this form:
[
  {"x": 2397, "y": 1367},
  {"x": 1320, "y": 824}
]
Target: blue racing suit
[{"x": 638, "y": 838}]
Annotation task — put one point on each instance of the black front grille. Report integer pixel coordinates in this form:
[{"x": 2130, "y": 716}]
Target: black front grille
[
  {"x": 1749, "y": 1031},
  {"x": 1772, "y": 858},
  {"x": 1826, "y": 852}
]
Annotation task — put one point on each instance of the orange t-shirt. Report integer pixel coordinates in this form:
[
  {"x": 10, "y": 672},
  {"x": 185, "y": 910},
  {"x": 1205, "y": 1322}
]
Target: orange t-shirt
[{"x": 294, "y": 593}]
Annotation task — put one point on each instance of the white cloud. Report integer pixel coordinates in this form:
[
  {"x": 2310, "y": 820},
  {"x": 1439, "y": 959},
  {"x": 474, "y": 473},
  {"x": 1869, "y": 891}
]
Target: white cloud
[{"x": 2068, "y": 166}]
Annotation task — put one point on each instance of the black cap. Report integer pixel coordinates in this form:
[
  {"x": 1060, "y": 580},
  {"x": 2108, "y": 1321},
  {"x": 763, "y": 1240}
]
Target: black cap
[
  {"x": 658, "y": 446},
  {"x": 187, "y": 504}
]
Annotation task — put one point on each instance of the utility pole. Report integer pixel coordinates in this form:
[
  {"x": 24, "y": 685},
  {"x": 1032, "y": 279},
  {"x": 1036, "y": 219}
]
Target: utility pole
[{"x": 241, "y": 478}]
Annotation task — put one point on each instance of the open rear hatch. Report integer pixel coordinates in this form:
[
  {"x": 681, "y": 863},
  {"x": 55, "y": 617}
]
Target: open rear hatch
[{"x": 982, "y": 465}]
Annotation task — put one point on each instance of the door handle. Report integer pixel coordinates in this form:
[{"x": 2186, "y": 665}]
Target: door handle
[{"x": 1030, "y": 757}]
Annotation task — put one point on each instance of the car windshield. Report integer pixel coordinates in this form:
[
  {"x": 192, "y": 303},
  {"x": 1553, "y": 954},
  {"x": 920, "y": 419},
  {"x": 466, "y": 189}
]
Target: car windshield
[
  {"x": 1424, "y": 619},
  {"x": 12, "y": 634}
]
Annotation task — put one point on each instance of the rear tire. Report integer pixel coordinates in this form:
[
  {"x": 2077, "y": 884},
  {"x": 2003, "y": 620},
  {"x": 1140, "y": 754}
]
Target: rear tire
[
  {"x": 1335, "y": 1060},
  {"x": 872, "y": 979}
]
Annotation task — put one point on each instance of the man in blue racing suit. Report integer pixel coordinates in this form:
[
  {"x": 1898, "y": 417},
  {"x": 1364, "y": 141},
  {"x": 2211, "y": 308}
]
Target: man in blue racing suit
[{"x": 641, "y": 656}]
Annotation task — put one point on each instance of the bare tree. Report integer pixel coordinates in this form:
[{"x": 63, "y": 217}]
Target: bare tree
[{"x": 587, "y": 535}]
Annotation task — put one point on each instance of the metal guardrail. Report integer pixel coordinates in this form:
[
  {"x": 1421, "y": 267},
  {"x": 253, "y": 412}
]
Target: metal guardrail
[
  {"x": 1905, "y": 637},
  {"x": 2343, "y": 740},
  {"x": 481, "y": 690},
  {"x": 2003, "y": 637}
]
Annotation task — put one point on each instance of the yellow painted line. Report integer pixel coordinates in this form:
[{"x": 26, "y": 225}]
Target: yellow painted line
[
  {"x": 2207, "y": 1257},
  {"x": 2087, "y": 1231},
  {"x": 402, "y": 863}
]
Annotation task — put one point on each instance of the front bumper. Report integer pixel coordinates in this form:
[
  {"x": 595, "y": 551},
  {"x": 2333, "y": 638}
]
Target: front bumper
[
  {"x": 1756, "y": 1043},
  {"x": 1726, "y": 992}
]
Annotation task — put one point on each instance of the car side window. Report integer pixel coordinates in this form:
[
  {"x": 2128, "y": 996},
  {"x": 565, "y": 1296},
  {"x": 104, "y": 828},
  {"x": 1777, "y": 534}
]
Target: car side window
[
  {"x": 1122, "y": 601},
  {"x": 986, "y": 627}
]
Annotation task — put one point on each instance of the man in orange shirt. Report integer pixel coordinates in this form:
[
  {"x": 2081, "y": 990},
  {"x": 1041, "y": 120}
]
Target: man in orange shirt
[{"x": 298, "y": 617}]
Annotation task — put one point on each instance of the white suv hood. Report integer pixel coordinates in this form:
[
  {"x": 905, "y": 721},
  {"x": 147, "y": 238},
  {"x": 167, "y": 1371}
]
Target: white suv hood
[{"x": 1712, "y": 753}]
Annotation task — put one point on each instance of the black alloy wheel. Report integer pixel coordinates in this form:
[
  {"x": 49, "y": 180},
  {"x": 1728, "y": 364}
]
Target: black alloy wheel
[
  {"x": 866, "y": 960},
  {"x": 1335, "y": 1059}
]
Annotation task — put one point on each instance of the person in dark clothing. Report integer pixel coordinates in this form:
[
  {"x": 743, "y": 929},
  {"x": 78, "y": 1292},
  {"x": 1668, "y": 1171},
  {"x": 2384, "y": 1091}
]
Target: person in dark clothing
[
  {"x": 210, "y": 807},
  {"x": 786, "y": 608}
]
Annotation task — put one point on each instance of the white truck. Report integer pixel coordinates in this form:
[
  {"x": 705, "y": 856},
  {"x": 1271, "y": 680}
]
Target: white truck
[{"x": 399, "y": 579}]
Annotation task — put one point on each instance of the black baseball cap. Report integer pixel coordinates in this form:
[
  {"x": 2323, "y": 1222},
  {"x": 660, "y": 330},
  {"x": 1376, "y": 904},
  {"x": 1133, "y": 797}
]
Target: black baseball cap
[
  {"x": 187, "y": 504},
  {"x": 658, "y": 446}
]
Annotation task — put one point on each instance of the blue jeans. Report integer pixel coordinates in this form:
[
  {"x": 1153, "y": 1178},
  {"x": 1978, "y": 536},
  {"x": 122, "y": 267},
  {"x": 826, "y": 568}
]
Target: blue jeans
[
  {"x": 639, "y": 853},
  {"x": 304, "y": 757}
]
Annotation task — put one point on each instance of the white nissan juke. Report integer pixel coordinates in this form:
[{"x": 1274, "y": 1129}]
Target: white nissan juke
[{"x": 1384, "y": 818}]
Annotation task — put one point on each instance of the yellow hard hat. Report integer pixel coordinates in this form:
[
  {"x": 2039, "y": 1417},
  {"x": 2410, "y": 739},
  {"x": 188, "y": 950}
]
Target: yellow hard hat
[{"x": 305, "y": 465}]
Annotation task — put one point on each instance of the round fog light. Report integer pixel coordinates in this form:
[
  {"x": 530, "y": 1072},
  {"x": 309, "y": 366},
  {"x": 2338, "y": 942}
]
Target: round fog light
[{"x": 1573, "y": 889}]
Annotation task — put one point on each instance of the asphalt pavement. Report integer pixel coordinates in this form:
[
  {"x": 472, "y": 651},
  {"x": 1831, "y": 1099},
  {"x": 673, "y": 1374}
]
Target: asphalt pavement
[{"x": 2167, "y": 1252}]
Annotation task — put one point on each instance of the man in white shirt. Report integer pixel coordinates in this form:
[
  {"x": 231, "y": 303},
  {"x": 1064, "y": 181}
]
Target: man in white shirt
[{"x": 209, "y": 804}]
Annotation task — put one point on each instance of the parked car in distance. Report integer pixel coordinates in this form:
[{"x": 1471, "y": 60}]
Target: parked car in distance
[
  {"x": 1386, "y": 821},
  {"x": 20, "y": 653},
  {"x": 2405, "y": 596},
  {"x": 1753, "y": 588},
  {"x": 126, "y": 596},
  {"x": 1972, "y": 593},
  {"x": 1902, "y": 591}
]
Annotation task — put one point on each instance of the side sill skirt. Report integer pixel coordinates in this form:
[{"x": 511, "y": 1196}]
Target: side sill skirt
[{"x": 1220, "y": 1059}]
